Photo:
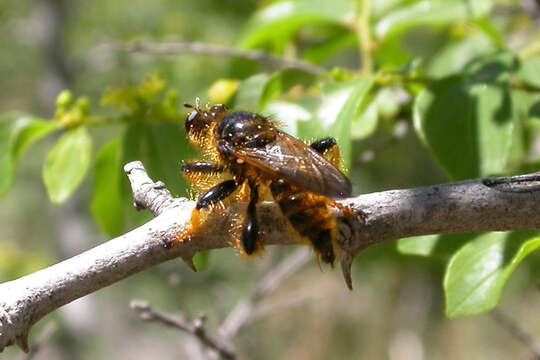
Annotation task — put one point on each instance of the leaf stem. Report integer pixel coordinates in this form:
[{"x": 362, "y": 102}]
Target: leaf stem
[{"x": 364, "y": 36}]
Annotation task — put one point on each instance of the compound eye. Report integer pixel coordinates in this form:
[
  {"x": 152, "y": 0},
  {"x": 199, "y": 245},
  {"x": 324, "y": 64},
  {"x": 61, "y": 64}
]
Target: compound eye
[{"x": 192, "y": 117}]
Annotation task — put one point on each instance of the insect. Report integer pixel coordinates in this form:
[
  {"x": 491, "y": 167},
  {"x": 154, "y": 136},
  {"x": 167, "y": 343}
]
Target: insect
[{"x": 247, "y": 156}]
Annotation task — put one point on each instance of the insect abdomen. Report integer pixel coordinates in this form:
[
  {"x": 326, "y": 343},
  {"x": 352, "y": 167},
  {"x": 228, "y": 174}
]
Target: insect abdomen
[{"x": 308, "y": 213}]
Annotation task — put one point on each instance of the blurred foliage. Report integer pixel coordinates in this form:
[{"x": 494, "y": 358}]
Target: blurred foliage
[{"x": 464, "y": 75}]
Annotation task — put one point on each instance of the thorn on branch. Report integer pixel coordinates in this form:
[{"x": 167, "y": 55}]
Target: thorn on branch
[{"x": 42, "y": 340}]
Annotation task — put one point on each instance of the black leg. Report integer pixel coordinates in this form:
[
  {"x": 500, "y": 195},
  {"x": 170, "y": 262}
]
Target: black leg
[
  {"x": 322, "y": 145},
  {"x": 201, "y": 167},
  {"x": 251, "y": 228},
  {"x": 216, "y": 194}
]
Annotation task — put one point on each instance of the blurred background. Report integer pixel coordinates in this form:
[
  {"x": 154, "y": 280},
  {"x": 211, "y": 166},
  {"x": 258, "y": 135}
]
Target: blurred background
[{"x": 396, "y": 310}]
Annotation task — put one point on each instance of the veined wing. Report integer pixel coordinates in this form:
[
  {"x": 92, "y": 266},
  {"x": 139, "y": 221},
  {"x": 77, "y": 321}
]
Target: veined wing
[{"x": 293, "y": 160}]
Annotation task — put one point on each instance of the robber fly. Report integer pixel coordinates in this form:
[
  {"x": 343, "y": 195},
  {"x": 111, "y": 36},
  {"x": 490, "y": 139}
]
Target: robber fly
[{"x": 247, "y": 156}]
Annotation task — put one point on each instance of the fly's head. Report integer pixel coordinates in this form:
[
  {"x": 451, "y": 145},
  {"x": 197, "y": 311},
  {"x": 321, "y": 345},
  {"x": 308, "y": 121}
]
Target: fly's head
[{"x": 200, "y": 123}]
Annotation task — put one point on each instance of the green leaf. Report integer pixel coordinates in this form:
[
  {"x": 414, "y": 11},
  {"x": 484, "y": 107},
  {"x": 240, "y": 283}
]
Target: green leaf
[
  {"x": 534, "y": 115},
  {"x": 382, "y": 7},
  {"x": 257, "y": 91},
  {"x": 486, "y": 25},
  {"x": 365, "y": 123},
  {"x": 330, "y": 47},
  {"x": 530, "y": 71},
  {"x": 430, "y": 12},
  {"x": 335, "y": 111},
  {"x": 418, "y": 245},
  {"x": 393, "y": 54},
  {"x": 281, "y": 82},
  {"x": 476, "y": 274},
  {"x": 31, "y": 132},
  {"x": 17, "y": 133},
  {"x": 440, "y": 246},
  {"x": 288, "y": 115},
  {"x": 108, "y": 206},
  {"x": 382, "y": 105},
  {"x": 278, "y": 21},
  {"x": 248, "y": 96},
  {"x": 521, "y": 104},
  {"x": 200, "y": 260},
  {"x": 468, "y": 121},
  {"x": 67, "y": 163},
  {"x": 161, "y": 147},
  {"x": 495, "y": 67},
  {"x": 454, "y": 56},
  {"x": 341, "y": 128}
]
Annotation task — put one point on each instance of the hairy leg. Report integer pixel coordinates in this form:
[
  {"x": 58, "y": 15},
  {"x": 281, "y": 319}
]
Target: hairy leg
[
  {"x": 251, "y": 227},
  {"x": 202, "y": 175},
  {"x": 216, "y": 194}
]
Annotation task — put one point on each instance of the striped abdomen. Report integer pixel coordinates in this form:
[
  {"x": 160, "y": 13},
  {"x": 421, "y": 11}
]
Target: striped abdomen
[{"x": 309, "y": 215}]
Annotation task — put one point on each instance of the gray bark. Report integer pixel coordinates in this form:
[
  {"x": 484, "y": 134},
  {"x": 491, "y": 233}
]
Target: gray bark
[{"x": 471, "y": 206}]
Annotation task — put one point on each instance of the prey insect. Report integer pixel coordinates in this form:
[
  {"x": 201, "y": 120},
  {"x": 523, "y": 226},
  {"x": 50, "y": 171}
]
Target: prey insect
[{"x": 247, "y": 157}]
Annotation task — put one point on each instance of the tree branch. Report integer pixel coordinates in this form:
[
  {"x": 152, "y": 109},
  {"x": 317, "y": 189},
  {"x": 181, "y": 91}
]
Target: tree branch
[
  {"x": 471, "y": 206},
  {"x": 217, "y": 50}
]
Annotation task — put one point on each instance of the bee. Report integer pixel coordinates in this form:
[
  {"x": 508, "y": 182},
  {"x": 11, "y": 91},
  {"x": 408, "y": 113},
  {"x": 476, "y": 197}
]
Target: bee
[{"x": 248, "y": 155}]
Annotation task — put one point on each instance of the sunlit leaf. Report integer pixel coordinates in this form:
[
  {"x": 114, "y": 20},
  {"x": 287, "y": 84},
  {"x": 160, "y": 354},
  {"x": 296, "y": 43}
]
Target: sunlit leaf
[
  {"x": 440, "y": 246},
  {"x": 468, "y": 121},
  {"x": 288, "y": 115},
  {"x": 222, "y": 91},
  {"x": 392, "y": 54},
  {"x": 334, "y": 112},
  {"x": 108, "y": 205},
  {"x": 381, "y": 105},
  {"x": 200, "y": 260},
  {"x": 330, "y": 47},
  {"x": 341, "y": 128},
  {"x": 476, "y": 274},
  {"x": 67, "y": 163},
  {"x": 279, "y": 20},
  {"x": 454, "y": 56},
  {"x": 530, "y": 71},
  {"x": 418, "y": 245},
  {"x": 281, "y": 82},
  {"x": 430, "y": 12},
  {"x": 17, "y": 133},
  {"x": 248, "y": 96}
]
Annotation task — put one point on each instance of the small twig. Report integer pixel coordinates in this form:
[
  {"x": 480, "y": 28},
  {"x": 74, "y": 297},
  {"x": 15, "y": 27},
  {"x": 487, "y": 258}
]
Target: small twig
[
  {"x": 196, "y": 328},
  {"x": 147, "y": 194},
  {"x": 286, "y": 268},
  {"x": 243, "y": 311},
  {"x": 217, "y": 50},
  {"x": 519, "y": 333},
  {"x": 293, "y": 298}
]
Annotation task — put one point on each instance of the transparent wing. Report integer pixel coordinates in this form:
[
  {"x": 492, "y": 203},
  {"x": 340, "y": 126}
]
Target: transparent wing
[{"x": 291, "y": 159}]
